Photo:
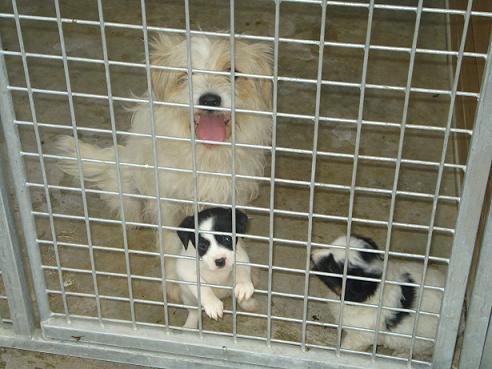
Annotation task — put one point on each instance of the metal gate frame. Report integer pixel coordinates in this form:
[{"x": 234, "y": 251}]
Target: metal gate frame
[
  {"x": 11, "y": 265},
  {"x": 159, "y": 348},
  {"x": 478, "y": 333}
]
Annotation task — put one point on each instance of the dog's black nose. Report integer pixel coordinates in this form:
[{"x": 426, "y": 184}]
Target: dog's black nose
[
  {"x": 210, "y": 99},
  {"x": 220, "y": 262}
]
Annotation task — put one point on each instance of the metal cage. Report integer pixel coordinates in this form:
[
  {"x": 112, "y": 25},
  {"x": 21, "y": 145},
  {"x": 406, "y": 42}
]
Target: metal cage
[{"x": 101, "y": 331}]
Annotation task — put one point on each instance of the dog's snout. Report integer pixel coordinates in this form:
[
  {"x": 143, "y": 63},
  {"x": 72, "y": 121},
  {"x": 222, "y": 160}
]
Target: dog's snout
[
  {"x": 220, "y": 262},
  {"x": 210, "y": 99}
]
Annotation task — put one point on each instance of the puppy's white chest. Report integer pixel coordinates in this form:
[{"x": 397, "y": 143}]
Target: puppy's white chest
[{"x": 220, "y": 276}]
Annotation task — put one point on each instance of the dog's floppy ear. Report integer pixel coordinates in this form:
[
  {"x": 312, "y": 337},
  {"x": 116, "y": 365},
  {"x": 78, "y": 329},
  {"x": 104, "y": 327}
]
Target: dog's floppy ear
[
  {"x": 241, "y": 222},
  {"x": 161, "y": 48},
  {"x": 262, "y": 55},
  {"x": 187, "y": 236}
]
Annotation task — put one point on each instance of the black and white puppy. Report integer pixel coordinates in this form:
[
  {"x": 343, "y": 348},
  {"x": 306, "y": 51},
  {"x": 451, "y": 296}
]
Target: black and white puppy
[
  {"x": 216, "y": 253},
  {"x": 370, "y": 265}
]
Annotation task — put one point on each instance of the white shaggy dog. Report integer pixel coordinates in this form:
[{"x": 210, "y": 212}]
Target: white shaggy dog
[
  {"x": 403, "y": 297},
  {"x": 208, "y": 90},
  {"x": 216, "y": 254}
]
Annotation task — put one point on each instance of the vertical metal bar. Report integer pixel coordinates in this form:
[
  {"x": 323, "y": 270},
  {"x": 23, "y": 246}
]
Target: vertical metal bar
[
  {"x": 13, "y": 275},
  {"x": 79, "y": 162},
  {"x": 2, "y": 319},
  {"x": 17, "y": 167},
  {"x": 313, "y": 172},
  {"x": 232, "y": 54},
  {"x": 479, "y": 161},
  {"x": 272, "y": 170},
  {"x": 397, "y": 173},
  {"x": 193, "y": 155},
  {"x": 156, "y": 161},
  {"x": 457, "y": 302},
  {"x": 480, "y": 304},
  {"x": 354, "y": 169},
  {"x": 117, "y": 160},
  {"x": 486, "y": 362},
  {"x": 118, "y": 170},
  {"x": 41, "y": 158}
]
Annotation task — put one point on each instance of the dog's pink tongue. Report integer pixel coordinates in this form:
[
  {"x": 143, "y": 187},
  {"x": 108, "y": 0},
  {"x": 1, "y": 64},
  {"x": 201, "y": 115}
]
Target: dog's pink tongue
[{"x": 211, "y": 127}]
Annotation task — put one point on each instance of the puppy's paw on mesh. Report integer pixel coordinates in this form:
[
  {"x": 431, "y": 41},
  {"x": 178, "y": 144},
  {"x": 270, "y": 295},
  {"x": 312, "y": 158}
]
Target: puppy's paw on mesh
[
  {"x": 214, "y": 309},
  {"x": 244, "y": 290}
]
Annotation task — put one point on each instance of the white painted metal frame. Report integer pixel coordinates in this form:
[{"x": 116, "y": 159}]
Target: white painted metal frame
[{"x": 163, "y": 347}]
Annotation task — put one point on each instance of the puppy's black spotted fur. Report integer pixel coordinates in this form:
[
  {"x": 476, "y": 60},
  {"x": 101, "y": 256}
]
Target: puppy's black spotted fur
[
  {"x": 364, "y": 260},
  {"x": 355, "y": 290},
  {"x": 223, "y": 223},
  {"x": 407, "y": 301}
]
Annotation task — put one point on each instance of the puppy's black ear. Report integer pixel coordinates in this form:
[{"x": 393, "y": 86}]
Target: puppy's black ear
[
  {"x": 186, "y": 236},
  {"x": 241, "y": 222}
]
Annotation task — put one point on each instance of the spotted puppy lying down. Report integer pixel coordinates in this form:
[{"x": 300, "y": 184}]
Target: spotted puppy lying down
[
  {"x": 370, "y": 265},
  {"x": 216, "y": 253}
]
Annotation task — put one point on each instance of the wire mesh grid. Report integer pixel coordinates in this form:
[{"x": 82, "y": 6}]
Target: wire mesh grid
[
  {"x": 4, "y": 306},
  {"x": 363, "y": 140}
]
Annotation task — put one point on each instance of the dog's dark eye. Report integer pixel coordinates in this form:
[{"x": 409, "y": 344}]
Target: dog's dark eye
[
  {"x": 224, "y": 240},
  {"x": 182, "y": 78}
]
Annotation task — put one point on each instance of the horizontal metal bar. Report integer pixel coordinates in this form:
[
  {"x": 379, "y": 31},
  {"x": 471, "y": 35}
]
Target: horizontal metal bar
[
  {"x": 251, "y": 208},
  {"x": 256, "y": 265},
  {"x": 247, "y": 111},
  {"x": 128, "y": 355},
  {"x": 392, "y": 7},
  {"x": 266, "y": 179},
  {"x": 257, "y": 291},
  {"x": 259, "y": 238},
  {"x": 315, "y": 215},
  {"x": 299, "y": 271},
  {"x": 246, "y": 75},
  {"x": 261, "y": 38},
  {"x": 260, "y": 292},
  {"x": 278, "y": 359},
  {"x": 419, "y": 127},
  {"x": 229, "y": 312}
]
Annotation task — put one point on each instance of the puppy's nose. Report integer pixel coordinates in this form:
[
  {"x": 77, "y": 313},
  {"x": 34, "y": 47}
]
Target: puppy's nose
[
  {"x": 220, "y": 262},
  {"x": 210, "y": 99}
]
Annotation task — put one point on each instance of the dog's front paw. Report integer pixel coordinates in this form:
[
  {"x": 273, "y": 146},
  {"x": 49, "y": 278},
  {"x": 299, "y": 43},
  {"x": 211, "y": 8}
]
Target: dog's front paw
[
  {"x": 214, "y": 309},
  {"x": 244, "y": 290}
]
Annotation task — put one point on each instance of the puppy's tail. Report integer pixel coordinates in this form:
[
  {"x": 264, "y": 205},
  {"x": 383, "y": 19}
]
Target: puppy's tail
[{"x": 99, "y": 173}]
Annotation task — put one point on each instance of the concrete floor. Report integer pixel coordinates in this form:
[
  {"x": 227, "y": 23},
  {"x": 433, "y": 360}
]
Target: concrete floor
[
  {"x": 18, "y": 359},
  {"x": 340, "y": 64}
]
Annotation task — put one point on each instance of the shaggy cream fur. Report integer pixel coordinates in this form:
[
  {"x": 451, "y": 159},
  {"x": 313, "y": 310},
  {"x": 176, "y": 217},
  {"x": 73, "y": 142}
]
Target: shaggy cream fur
[{"x": 172, "y": 86}]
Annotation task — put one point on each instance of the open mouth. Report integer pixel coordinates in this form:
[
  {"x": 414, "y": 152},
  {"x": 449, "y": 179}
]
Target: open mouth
[{"x": 212, "y": 126}]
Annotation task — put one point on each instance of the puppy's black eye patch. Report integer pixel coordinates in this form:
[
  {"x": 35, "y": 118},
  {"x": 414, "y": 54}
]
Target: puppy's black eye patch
[
  {"x": 225, "y": 241},
  {"x": 203, "y": 245}
]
